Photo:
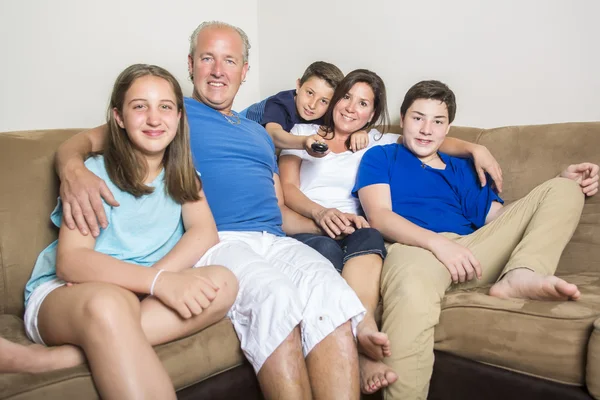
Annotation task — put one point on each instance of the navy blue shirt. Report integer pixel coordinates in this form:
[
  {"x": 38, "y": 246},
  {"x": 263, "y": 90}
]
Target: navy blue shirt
[
  {"x": 281, "y": 109},
  {"x": 237, "y": 161},
  {"x": 448, "y": 200}
]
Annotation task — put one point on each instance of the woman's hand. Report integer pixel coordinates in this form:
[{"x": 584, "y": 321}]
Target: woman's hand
[
  {"x": 485, "y": 162},
  {"x": 358, "y": 221},
  {"x": 460, "y": 262},
  {"x": 187, "y": 294},
  {"x": 333, "y": 222}
]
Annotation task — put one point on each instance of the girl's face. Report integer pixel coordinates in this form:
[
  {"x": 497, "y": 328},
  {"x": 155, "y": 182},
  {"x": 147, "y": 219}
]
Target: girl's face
[
  {"x": 355, "y": 109},
  {"x": 150, "y": 115}
]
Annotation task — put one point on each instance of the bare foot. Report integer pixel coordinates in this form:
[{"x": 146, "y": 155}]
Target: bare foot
[
  {"x": 371, "y": 342},
  {"x": 374, "y": 375},
  {"x": 37, "y": 358},
  {"x": 523, "y": 283}
]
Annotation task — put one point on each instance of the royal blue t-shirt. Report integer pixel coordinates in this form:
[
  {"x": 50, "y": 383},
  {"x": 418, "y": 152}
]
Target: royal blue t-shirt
[
  {"x": 281, "y": 109},
  {"x": 237, "y": 161},
  {"x": 448, "y": 200}
]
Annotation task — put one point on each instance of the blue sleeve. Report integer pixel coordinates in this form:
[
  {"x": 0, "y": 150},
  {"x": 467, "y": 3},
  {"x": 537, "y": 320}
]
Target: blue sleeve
[
  {"x": 373, "y": 169},
  {"x": 275, "y": 111},
  {"x": 475, "y": 200}
]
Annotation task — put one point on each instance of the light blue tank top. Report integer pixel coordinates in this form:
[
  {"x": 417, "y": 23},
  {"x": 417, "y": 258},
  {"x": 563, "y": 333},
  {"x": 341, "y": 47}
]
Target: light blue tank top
[{"x": 140, "y": 230}]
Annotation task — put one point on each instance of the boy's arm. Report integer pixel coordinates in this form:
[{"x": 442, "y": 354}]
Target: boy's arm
[
  {"x": 287, "y": 141},
  {"x": 482, "y": 157},
  {"x": 376, "y": 201},
  {"x": 80, "y": 190}
]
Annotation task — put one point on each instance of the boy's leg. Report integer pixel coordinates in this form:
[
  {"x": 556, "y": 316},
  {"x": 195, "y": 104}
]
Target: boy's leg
[
  {"x": 104, "y": 320},
  {"x": 528, "y": 238},
  {"x": 37, "y": 358},
  {"x": 328, "y": 247},
  {"x": 265, "y": 315},
  {"x": 413, "y": 283},
  {"x": 330, "y": 314}
]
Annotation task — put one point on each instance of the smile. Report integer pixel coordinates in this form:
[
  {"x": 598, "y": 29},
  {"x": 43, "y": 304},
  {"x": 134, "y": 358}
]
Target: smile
[
  {"x": 216, "y": 84},
  {"x": 424, "y": 141},
  {"x": 153, "y": 133},
  {"x": 347, "y": 118}
]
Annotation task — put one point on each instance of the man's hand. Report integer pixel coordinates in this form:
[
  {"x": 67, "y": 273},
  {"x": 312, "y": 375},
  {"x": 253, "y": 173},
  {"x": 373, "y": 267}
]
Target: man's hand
[
  {"x": 586, "y": 174},
  {"x": 308, "y": 146},
  {"x": 485, "y": 162},
  {"x": 187, "y": 294},
  {"x": 460, "y": 262},
  {"x": 82, "y": 192},
  {"x": 333, "y": 222},
  {"x": 359, "y": 140}
]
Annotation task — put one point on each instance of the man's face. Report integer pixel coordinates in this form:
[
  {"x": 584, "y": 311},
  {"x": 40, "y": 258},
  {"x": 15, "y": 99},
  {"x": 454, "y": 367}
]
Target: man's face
[
  {"x": 312, "y": 98},
  {"x": 218, "y": 67},
  {"x": 425, "y": 126}
]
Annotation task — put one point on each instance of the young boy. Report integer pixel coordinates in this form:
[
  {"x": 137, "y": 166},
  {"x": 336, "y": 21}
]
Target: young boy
[
  {"x": 449, "y": 230},
  {"x": 306, "y": 104}
]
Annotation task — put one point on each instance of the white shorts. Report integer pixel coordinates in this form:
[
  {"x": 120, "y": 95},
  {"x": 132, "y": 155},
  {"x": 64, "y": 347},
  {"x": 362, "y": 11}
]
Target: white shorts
[
  {"x": 33, "y": 308},
  {"x": 282, "y": 283}
]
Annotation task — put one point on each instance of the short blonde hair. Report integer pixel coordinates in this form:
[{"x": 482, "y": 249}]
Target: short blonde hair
[{"x": 219, "y": 24}]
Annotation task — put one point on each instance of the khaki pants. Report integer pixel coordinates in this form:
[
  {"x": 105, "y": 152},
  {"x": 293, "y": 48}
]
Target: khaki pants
[{"x": 531, "y": 233}]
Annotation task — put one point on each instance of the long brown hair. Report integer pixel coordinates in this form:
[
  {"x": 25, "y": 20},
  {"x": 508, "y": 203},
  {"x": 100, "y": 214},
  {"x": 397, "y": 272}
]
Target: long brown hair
[
  {"x": 126, "y": 168},
  {"x": 380, "y": 112}
]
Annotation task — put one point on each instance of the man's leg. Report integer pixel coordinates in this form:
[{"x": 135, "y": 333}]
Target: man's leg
[
  {"x": 330, "y": 315},
  {"x": 265, "y": 315}
]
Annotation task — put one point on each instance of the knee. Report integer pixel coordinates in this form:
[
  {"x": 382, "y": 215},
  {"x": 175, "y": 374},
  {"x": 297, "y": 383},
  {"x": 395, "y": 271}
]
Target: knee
[
  {"x": 108, "y": 307},
  {"x": 227, "y": 283},
  {"x": 331, "y": 250},
  {"x": 567, "y": 189}
]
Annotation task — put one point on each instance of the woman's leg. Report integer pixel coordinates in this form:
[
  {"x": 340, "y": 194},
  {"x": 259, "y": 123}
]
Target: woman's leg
[
  {"x": 161, "y": 324},
  {"x": 365, "y": 250},
  {"x": 104, "y": 320},
  {"x": 330, "y": 249}
]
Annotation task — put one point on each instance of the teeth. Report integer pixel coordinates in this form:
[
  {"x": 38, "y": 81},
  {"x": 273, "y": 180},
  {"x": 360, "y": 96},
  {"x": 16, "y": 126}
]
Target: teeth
[{"x": 219, "y": 84}]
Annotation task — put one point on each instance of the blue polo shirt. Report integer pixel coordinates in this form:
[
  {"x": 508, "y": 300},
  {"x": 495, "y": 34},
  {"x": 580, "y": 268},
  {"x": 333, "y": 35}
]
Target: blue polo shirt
[
  {"x": 281, "y": 109},
  {"x": 237, "y": 161},
  {"x": 448, "y": 200}
]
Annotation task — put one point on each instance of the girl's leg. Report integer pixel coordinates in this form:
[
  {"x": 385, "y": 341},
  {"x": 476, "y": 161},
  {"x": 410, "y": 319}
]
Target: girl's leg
[
  {"x": 37, "y": 358},
  {"x": 161, "y": 324},
  {"x": 104, "y": 320},
  {"x": 330, "y": 249}
]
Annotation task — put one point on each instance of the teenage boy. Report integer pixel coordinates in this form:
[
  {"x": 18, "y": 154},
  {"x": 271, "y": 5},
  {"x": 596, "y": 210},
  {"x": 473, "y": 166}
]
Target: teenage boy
[
  {"x": 304, "y": 105},
  {"x": 449, "y": 230}
]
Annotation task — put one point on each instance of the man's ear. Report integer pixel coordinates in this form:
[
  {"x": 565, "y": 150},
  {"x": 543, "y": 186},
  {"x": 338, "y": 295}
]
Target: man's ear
[
  {"x": 190, "y": 66},
  {"x": 118, "y": 118},
  {"x": 245, "y": 69}
]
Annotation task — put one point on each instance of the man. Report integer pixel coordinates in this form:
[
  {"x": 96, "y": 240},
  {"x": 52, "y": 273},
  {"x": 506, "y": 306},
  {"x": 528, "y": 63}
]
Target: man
[
  {"x": 294, "y": 314},
  {"x": 449, "y": 229}
]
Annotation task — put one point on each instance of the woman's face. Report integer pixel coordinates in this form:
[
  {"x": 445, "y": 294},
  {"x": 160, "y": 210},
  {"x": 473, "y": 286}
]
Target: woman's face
[{"x": 355, "y": 109}]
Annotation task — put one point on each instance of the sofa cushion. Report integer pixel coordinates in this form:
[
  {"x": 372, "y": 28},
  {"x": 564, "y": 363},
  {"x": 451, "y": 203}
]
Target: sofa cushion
[
  {"x": 540, "y": 338},
  {"x": 188, "y": 361},
  {"x": 593, "y": 362}
]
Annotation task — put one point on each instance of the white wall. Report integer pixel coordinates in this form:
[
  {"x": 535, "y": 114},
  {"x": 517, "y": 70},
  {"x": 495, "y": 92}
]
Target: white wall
[
  {"x": 60, "y": 58},
  {"x": 509, "y": 62}
]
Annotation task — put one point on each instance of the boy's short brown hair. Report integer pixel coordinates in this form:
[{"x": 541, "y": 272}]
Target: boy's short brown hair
[
  {"x": 434, "y": 90},
  {"x": 323, "y": 70}
]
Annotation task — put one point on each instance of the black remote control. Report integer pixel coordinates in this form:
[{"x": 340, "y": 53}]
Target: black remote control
[{"x": 319, "y": 147}]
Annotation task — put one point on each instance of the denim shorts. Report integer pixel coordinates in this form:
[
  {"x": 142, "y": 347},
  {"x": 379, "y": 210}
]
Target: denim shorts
[{"x": 361, "y": 242}]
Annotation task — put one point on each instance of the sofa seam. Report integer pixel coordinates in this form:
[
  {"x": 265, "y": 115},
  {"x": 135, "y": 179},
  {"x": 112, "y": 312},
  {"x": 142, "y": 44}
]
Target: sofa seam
[{"x": 596, "y": 316}]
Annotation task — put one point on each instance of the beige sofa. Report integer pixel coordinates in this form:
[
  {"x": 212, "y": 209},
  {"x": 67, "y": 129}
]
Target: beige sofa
[{"x": 557, "y": 342}]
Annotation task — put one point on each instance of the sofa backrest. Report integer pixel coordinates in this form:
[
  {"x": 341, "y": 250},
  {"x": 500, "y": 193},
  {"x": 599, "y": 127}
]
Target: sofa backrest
[
  {"x": 29, "y": 187},
  {"x": 28, "y": 192},
  {"x": 532, "y": 154}
]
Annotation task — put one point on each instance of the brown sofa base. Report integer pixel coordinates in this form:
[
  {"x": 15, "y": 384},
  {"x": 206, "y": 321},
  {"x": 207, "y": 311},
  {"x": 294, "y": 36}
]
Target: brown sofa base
[
  {"x": 460, "y": 378},
  {"x": 453, "y": 378}
]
